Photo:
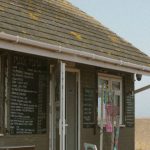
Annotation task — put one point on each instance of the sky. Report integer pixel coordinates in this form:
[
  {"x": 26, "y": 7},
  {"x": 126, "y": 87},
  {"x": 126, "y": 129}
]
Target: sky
[{"x": 130, "y": 19}]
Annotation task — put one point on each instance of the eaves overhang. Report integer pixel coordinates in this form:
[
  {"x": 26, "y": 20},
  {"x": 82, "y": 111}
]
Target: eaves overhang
[{"x": 20, "y": 44}]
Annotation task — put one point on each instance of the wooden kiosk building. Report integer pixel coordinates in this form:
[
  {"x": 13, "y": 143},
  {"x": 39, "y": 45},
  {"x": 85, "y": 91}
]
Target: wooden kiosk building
[{"x": 54, "y": 59}]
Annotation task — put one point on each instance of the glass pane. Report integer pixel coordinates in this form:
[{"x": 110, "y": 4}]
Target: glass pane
[
  {"x": 115, "y": 85},
  {"x": 117, "y": 103},
  {"x": 103, "y": 86},
  {"x": 99, "y": 112},
  {"x": 103, "y": 83}
]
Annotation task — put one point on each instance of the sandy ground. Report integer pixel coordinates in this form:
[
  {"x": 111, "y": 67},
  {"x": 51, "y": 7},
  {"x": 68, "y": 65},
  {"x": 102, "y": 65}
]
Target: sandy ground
[{"x": 142, "y": 134}]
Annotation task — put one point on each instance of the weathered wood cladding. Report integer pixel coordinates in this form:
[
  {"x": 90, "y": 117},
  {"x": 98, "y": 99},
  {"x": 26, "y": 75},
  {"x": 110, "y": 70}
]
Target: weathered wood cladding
[
  {"x": 127, "y": 135},
  {"x": 126, "y": 138},
  {"x": 92, "y": 135},
  {"x": 88, "y": 79},
  {"x": 40, "y": 141},
  {"x": 2, "y": 85},
  {"x": 129, "y": 100},
  {"x": 89, "y": 76}
]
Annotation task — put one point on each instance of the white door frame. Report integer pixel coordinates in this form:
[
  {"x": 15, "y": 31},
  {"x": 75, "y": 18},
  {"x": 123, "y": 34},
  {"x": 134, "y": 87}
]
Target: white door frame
[
  {"x": 52, "y": 115},
  {"x": 62, "y": 121},
  {"x": 77, "y": 71},
  {"x": 52, "y": 111}
]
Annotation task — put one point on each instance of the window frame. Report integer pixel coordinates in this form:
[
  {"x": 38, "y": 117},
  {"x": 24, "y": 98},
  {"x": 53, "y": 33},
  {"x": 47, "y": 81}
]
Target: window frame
[{"x": 110, "y": 78}]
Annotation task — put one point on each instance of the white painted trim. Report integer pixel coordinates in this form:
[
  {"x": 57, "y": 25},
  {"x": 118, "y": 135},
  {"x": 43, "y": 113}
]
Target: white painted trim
[
  {"x": 79, "y": 105},
  {"x": 122, "y": 126},
  {"x": 16, "y": 43},
  {"x": 62, "y": 126},
  {"x": 120, "y": 93},
  {"x": 1, "y": 134}
]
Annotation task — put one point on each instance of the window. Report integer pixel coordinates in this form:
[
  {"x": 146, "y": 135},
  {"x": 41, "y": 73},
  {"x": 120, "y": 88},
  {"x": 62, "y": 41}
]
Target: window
[{"x": 110, "y": 94}]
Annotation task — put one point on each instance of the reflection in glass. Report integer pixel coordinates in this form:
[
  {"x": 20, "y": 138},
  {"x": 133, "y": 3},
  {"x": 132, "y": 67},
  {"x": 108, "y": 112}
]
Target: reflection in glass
[
  {"x": 103, "y": 86},
  {"x": 117, "y": 101}
]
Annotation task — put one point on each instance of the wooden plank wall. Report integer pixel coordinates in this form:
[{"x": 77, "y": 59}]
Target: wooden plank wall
[
  {"x": 41, "y": 141},
  {"x": 91, "y": 135},
  {"x": 88, "y": 79}
]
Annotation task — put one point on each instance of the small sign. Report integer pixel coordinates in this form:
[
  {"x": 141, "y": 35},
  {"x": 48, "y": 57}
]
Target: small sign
[{"x": 88, "y": 108}]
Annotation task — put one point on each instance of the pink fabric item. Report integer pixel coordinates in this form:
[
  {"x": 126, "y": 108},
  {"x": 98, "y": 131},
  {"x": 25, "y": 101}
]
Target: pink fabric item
[
  {"x": 109, "y": 109},
  {"x": 109, "y": 127}
]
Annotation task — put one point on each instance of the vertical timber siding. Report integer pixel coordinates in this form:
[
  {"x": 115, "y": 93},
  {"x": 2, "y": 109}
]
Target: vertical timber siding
[
  {"x": 127, "y": 135},
  {"x": 126, "y": 139},
  {"x": 41, "y": 141},
  {"x": 88, "y": 79},
  {"x": 129, "y": 100}
]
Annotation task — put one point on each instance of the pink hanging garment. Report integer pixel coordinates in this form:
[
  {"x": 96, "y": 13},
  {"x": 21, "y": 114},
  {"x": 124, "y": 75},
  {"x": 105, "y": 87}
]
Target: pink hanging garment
[{"x": 109, "y": 127}]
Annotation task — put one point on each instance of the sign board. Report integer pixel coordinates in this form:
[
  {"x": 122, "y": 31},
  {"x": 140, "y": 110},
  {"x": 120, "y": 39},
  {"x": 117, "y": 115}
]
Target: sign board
[
  {"x": 88, "y": 107},
  {"x": 28, "y": 95}
]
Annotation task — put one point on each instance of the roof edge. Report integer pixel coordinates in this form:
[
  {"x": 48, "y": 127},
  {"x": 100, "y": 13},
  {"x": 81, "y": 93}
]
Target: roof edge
[{"x": 130, "y": 67}]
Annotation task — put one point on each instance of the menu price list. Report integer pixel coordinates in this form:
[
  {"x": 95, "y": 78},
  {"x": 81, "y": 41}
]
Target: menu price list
[
  {"x": 28, "y": 96},
  {"x": 88, "y": 108}
]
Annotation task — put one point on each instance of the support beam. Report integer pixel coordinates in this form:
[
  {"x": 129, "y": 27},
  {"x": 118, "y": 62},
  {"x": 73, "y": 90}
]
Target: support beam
[{"x": 142, "y": 89}]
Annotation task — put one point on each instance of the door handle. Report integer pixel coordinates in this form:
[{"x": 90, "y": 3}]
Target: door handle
[{"x": 66, "y": 125}]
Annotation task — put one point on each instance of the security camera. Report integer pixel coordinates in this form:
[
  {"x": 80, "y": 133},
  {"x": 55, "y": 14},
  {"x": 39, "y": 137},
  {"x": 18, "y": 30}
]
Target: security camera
[{"x": 138, "y": 77}]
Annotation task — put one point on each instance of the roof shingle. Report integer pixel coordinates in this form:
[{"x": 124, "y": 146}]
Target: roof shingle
[{"x": 60, "y": 23}]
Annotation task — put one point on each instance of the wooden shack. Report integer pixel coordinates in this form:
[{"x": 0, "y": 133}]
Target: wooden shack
[{"x": 56, "y": 63}]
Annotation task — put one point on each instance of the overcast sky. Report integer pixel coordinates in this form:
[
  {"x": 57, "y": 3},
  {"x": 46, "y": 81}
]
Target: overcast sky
[{"x": 130, "y": 19}]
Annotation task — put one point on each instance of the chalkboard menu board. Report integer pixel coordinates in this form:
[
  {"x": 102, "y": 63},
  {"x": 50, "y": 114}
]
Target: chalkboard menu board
[
  {"x": 88, "y": 107},
  {"x": 28, "y": 94},
  {"x": 129, "y": 110}
]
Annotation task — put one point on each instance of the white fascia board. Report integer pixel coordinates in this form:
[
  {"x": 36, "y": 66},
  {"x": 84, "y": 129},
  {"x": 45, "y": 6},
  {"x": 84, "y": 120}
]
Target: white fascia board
[{"x": 51, "y": 52}]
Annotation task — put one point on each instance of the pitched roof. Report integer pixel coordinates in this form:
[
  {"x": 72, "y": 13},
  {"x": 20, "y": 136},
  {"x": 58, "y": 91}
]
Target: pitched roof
[{"x": 60, "y": 23}]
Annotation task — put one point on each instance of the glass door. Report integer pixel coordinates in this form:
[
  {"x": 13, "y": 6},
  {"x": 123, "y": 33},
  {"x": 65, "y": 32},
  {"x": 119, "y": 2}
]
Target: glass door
[{"x": 59, "y": 108}]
